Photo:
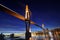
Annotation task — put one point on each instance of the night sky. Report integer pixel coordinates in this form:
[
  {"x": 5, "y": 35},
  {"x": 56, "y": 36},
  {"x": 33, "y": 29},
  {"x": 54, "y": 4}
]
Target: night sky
[{"x": 43, "y": 12}]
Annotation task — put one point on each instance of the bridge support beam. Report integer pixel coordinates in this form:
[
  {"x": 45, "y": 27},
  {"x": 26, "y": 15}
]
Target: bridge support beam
[{"x": 28, "y": 33}]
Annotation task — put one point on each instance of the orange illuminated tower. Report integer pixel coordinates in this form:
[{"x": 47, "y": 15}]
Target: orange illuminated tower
[{"x": 27, "y": 22}]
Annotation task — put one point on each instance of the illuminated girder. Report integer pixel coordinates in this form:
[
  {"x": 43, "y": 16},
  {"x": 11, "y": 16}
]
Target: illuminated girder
[{"x": 15, "y": 14}]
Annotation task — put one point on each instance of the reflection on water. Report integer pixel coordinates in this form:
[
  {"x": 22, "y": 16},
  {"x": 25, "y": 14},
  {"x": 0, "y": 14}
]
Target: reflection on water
[
  {"x": 32, "y": 38},
  {"x": 8, "y": 37}
]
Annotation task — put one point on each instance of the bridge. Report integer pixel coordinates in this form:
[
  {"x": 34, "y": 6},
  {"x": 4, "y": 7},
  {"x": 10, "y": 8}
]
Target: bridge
[{"x": 26, "y": 19}]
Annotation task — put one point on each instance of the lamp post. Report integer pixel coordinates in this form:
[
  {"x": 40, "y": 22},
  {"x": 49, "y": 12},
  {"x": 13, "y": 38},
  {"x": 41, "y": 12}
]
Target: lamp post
[{"x": 27, "y": 22}]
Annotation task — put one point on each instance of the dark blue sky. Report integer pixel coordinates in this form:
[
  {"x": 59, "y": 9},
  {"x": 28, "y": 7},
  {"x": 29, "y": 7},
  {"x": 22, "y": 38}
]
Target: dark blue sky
[{"x": 43, "y": 11}]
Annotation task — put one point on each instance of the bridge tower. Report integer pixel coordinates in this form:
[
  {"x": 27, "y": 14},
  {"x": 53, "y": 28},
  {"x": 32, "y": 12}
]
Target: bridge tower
[{"x": 27, "y": 22}]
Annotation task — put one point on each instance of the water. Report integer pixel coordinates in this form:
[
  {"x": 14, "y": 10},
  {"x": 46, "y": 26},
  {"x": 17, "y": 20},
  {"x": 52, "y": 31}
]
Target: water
[{"x": 32, "y": 38}]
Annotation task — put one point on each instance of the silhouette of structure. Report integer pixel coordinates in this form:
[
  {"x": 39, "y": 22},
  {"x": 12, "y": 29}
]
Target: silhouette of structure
[
  {"x": 12, "y": 36},
  {"x": 1, "y": 36}
]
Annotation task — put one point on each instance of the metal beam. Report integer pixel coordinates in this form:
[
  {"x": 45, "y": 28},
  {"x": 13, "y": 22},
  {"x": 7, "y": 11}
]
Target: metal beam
[{"x": 15, "y": 14}]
